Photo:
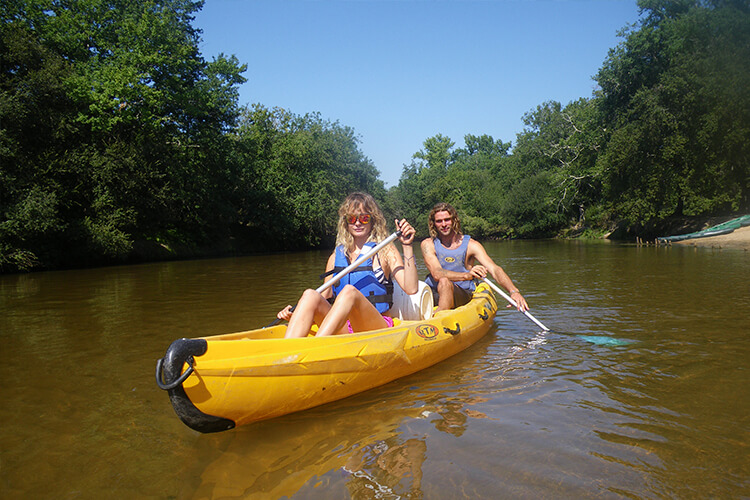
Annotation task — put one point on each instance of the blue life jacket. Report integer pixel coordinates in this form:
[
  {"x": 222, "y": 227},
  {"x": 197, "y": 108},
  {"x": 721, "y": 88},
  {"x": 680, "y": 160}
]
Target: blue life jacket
[
  {"x": 363, "y": 278},
  {"x": 452, "y": 260}
]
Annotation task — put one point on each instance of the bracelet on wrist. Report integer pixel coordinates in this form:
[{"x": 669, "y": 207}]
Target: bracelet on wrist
[{"x": 513, "y": 291}]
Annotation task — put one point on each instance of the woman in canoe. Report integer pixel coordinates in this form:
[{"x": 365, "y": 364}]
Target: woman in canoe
[{"x": 362, "y": 298}]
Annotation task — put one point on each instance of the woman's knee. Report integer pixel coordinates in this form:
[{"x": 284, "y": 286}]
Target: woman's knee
[
  {"x": 349, "y": 291},
  {"x": 350, "y": 301},
  {"x": 310, "y": 298}
]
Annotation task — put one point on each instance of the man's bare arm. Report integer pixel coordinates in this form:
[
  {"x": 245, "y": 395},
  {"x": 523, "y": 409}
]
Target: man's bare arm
[{"x": 477, "y": 251}]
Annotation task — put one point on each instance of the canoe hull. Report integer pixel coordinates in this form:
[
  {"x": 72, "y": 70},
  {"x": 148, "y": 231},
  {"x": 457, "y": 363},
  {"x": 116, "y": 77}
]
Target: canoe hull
[{"x": 249, "y": 376}]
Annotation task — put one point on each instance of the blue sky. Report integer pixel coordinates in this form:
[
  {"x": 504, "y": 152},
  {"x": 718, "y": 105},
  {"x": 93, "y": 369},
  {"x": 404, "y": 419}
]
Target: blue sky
[{"x": 401, "y": 71}]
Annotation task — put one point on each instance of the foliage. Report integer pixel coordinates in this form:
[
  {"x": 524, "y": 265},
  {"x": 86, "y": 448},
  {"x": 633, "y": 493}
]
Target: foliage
[
  {"x": 677, "y": 97},
  {"x": 116, "y": 134},
  {"x": 665, "y": 135},
  {"x": 114, "y": 131},
  {"x": 294, "y": 171}
]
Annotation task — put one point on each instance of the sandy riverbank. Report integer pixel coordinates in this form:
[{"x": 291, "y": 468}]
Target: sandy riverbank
[{"x": 738, "y": 239}]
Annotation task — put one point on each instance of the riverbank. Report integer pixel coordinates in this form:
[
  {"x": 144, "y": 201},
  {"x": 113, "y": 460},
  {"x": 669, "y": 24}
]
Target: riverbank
[
  {"x": 738, "y": 239},
  {"x": 667, "y": 232},
  {"x": 144, "y": 251}
]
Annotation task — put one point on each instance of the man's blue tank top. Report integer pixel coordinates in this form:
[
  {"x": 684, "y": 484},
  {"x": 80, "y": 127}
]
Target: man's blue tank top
[{"x": 452, "y": 260}]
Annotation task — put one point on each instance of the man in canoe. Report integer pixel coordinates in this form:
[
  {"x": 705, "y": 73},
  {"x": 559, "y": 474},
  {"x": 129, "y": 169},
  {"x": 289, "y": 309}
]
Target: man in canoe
[
  {"x": 362, "y": 298},
  {"x": 450, "y": 258}
]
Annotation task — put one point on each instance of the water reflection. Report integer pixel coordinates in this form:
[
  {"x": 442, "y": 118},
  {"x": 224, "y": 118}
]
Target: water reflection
[
  {"x": 373, "y": 443},
  {"x": 387, "y": 469},
  {"x": 274, "y": 460},
  {"x": 521, "y": 414}
]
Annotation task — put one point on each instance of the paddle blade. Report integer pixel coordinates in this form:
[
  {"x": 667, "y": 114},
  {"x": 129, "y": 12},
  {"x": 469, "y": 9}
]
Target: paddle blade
[
  {"x": 596, "y": 339},
  {"x": 604, "y": 340}
]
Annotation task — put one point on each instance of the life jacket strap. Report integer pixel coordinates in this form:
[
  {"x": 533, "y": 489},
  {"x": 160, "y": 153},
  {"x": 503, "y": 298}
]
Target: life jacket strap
[{"x": 337, "y": 270}]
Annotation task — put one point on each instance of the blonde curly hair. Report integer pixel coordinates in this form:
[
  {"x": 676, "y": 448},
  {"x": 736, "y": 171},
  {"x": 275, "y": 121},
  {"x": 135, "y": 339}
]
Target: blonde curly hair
[{"x": 362, "y": 203}]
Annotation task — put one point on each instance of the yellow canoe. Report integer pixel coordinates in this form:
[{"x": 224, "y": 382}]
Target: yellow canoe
[{"x": 219, "y": 382}]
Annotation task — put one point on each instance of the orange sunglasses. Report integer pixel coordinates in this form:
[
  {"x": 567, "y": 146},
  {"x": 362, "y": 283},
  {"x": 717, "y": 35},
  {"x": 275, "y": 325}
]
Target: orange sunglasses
[{"x": 363, "y": 218}]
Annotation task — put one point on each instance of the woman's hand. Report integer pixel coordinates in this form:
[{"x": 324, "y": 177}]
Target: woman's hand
[
  {"x": 407, "y": 275},
  {"x": 285, "y": 313},
  {"x": 407, "y": 232}
]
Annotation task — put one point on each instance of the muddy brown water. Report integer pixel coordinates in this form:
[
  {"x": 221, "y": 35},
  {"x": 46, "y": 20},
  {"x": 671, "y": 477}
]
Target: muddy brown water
[{"x": 521, "y": 414}]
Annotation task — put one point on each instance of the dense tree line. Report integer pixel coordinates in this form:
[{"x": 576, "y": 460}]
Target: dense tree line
[
  {"x": 666, "y": 134},
  {"x": 119, "y": 141}
]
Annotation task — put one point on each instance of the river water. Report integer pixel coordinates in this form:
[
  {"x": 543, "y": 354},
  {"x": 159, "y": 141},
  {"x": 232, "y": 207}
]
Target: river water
[{"x": 641, "y": 390}]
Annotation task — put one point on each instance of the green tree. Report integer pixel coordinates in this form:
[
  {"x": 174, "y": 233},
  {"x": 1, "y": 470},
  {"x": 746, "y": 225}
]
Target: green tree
[
  {"x": 477, "y": 171},
  {"x": 295, "y": 170},
  {"x": 35, "y": 120},
  {"x": 467, "y": 177},
  {"x": 122, "y": 134},
  {"x": 676, "y": 97},
  {"x": 565, "y": 142}
]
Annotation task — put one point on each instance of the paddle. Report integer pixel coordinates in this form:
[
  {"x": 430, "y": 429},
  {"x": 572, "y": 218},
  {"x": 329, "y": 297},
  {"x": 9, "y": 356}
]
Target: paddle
[
  {"x": 328, "y": 284},
  {"x": 514, "y": 304},
  {"x": 594, "y": 339}
]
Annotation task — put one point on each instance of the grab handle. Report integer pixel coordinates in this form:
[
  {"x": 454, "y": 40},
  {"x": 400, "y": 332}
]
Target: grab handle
[
  {"x": 453, "y": 332},
  {"x": 168, "y": 386}
]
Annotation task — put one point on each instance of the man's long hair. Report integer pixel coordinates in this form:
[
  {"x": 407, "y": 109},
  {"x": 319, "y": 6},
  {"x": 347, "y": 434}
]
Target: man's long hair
[{"x": 444, "y": 207}]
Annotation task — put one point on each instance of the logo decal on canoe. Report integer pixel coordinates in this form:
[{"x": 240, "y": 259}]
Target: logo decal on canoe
[
  {"x": 450, "y": 259},
  {"x": 427, "y": 332}
]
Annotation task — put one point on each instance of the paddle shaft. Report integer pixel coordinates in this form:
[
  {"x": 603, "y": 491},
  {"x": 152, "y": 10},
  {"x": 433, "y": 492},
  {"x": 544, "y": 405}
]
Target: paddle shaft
[
  {"x": 514, "y": 304},
  {"x": 329, "y": 283}
]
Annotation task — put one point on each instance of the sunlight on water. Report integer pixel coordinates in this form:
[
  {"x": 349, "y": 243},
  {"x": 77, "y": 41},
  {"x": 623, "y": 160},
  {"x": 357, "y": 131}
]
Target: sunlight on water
[{"x": 639, "y": 390}]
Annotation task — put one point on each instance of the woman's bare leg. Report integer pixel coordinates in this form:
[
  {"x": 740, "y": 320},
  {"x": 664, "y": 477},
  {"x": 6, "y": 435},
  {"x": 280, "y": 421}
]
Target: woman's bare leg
[
  {"x": 311, "y": 308},
  {"x": 352, "y": 305}
]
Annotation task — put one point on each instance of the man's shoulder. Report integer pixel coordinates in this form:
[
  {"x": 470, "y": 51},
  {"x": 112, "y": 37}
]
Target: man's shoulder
[{"x": 474, "y": 244}]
